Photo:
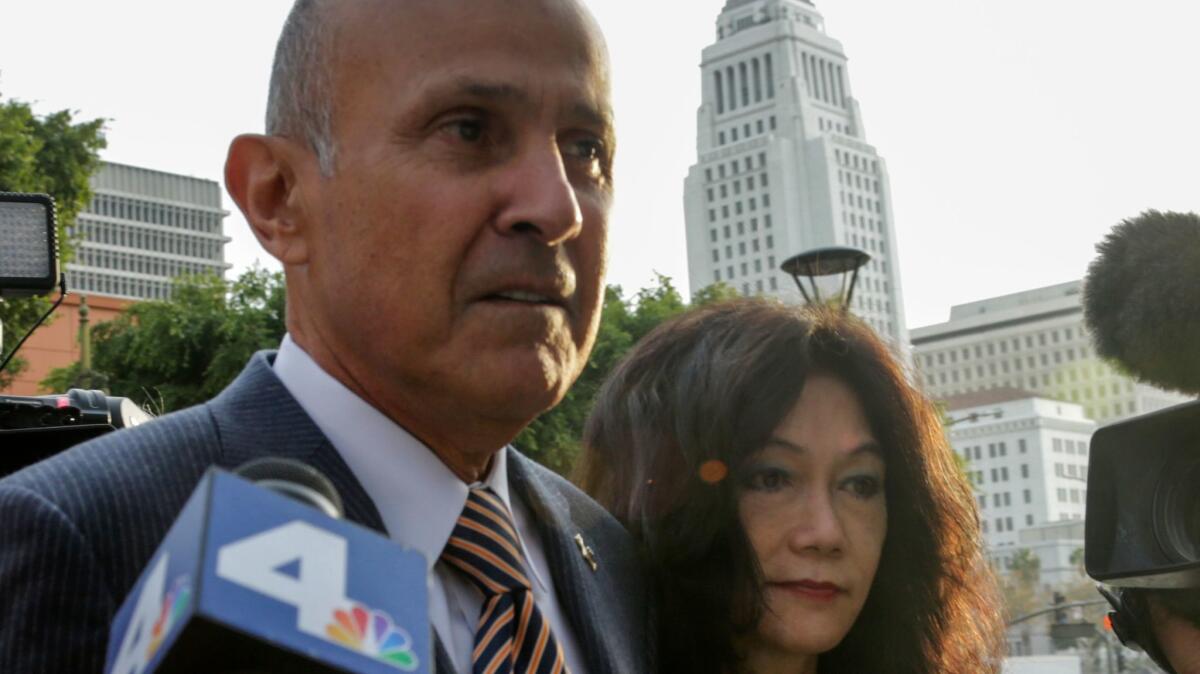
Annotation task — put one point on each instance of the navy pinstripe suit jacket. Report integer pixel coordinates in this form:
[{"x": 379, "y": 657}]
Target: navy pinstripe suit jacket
[{"x": 77, "y": 529}]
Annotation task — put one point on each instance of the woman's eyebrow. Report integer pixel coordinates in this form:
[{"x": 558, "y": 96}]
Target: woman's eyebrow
[{"x": 868, "y": 447}]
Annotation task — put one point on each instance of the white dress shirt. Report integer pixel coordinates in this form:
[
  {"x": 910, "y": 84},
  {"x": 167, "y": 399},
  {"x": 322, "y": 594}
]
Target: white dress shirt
[{"x": 420, "y": 499}]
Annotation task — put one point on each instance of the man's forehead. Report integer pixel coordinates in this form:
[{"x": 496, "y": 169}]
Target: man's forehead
[
  {"x": 569, "y": 16},
  {"x": 498, "y": 49}
]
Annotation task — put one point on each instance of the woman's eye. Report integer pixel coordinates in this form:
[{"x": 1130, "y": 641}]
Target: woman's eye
[
  {"x": 768, "y": 479},
  {"x": 863, "y": 486}
]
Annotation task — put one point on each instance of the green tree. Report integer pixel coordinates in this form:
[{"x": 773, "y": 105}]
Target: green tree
[
  {"x": 170, "y": 354},
  {"x": 1020, "y": 586},
  {"x": 710, "y": 294},
  {"x": 554, "y": 438},
  {"x": 56, "y": 155}
]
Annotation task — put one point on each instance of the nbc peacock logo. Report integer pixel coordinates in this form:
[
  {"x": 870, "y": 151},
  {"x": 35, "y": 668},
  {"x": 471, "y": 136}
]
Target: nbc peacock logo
[
  {"x": 174, "y": 605},
  {"x": 372, "y": 633}
]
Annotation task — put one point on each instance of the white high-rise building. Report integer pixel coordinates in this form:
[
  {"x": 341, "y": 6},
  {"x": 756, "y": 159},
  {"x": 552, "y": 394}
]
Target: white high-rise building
[
  {"x": 1034, "y": 340},
  {"x": 1027, "y": 457},
  {"x": 142, "y": 229},
  {"x": 783, "y": 166}
]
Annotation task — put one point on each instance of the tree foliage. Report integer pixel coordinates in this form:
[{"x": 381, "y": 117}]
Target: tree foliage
[
  {"x": 554, "y": 438},
  {"x": 170, "y": 354},
  {"x": 56, "y": 155}
]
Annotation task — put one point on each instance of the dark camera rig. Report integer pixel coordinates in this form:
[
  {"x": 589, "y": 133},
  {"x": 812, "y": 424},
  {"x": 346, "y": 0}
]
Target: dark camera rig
[{"x": 35, "y": 427}]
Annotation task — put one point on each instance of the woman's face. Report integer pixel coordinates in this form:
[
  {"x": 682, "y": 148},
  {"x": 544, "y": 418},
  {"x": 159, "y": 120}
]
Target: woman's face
[{"x": 813, "y": 506}]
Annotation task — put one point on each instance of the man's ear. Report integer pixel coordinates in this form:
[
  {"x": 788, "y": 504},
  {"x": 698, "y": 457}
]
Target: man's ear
[{"x": 262, "y": 175}]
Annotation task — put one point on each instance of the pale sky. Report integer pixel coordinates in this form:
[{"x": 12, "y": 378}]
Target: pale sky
[{"x": 1016, "y": 133}]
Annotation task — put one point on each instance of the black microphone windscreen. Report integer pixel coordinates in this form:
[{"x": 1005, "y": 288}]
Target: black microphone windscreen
[{"x": 1142, "y": 298}]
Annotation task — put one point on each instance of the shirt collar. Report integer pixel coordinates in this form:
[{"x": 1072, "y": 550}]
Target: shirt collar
[{"x": 418, "y": 497}]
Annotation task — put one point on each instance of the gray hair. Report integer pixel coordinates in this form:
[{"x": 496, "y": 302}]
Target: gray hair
[{"x": 300, "y": 99}]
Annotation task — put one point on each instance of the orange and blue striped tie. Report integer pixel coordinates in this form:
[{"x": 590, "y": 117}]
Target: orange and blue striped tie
[{"x": 512, "y": 637}]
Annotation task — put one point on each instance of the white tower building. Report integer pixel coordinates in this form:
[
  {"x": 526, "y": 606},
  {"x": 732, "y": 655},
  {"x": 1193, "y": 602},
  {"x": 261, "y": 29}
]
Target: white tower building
[{"x": 783, "y": 166}]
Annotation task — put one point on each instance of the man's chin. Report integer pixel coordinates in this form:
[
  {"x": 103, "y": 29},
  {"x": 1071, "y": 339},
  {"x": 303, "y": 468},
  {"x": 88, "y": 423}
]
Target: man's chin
[{"x": 526, "y": 386}]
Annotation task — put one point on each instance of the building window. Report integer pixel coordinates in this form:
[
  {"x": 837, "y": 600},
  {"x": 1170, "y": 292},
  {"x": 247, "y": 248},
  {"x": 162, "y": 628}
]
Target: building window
[
  {"x": 1028, "y": 496},
  {"x": 1025, "y": 470}
]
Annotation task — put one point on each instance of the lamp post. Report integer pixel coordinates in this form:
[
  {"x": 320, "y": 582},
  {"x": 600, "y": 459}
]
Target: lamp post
[
  {"x": 973, "y": 417},
  {"x": 828, "y": 261}
]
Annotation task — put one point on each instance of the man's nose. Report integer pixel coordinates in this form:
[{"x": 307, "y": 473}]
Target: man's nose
[
  {"x": 816, "y": 525},
  {"x": 540, "y": 199}
]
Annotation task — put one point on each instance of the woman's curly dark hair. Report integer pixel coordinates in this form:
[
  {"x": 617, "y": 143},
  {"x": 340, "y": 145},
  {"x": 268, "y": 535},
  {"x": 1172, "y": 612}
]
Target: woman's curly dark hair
[{"x": 707, "y": 389}]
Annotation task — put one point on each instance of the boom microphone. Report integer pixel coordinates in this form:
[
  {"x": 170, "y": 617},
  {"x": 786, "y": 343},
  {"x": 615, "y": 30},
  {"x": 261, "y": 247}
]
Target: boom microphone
[
  {"x": 1142, "y": 305},
  {"x": 1142, "y": 298},
  {"x": 258, "y": 577}
]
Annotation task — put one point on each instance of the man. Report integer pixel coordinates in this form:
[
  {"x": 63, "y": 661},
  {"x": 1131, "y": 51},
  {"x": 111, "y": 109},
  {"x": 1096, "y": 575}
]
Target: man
[
  {"x": 435, "y": 181},
  {"x": 1164, "y": 623}
]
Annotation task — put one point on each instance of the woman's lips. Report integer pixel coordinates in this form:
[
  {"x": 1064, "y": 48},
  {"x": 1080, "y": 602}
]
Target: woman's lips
[{"x": 810, "y": 589}]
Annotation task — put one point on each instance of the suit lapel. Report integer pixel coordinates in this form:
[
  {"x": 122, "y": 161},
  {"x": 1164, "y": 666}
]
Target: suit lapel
[{"x": 575, "y": 583}]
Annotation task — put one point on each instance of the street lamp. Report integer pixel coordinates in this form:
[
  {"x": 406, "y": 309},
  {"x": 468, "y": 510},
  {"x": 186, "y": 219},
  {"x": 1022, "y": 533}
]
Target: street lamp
[
  {"x": 973, "y": 417},
  {"x": 828, "y": 261}
]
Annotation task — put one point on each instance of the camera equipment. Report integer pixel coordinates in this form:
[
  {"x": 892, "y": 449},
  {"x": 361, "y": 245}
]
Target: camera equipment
[
  {"x": 1142, "y": 304},
  {"x": 35, "y": 427},
  {"x": 1143, "y": 505},
  {"x": 29, "y": 265}
]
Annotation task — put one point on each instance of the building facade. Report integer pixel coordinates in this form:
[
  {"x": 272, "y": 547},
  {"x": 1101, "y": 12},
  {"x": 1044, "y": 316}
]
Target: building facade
[
  {"x": 783, "y": 164},
  {"x": 1026, "y": 456},
  {"x": 142, "y": 229},
  {"x": 1034, "y": 340}
]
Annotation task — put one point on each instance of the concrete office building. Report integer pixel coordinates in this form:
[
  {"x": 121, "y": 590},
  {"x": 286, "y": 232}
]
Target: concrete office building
[
  {"x": 1027, "y": 457},
  {"x": 142, "y": 229},
  {"x": 1034, "y": 340},
  {"x": 783, "y": 164}
]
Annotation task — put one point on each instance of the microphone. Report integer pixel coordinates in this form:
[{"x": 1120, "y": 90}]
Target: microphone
[
  {"x": 295, "y": 480},
  {"x": 1141, "y": 298},
  {"x": 1142, "y": 305},
  {"x": 259, "y": 573}
]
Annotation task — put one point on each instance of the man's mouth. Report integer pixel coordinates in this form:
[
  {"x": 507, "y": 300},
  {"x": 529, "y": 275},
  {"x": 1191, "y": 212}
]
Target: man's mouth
[{"x": 525, "y": 297}]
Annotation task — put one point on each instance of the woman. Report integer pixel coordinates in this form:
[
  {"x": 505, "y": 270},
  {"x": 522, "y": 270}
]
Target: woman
[{"x": 795, "y": 498}]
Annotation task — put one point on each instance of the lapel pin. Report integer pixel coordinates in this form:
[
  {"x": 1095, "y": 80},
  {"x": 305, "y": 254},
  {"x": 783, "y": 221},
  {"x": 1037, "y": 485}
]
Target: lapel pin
[{"x": 586, "y": 552}]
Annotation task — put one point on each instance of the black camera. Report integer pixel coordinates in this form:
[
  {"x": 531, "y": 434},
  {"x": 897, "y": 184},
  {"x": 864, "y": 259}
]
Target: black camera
[
  {"x": 1143, "y": 503},
  {"x": 33, "y": 428}
]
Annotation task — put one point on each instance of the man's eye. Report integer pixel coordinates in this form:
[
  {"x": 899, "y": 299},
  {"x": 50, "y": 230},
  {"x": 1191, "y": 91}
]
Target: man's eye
[
  {"x": 466, "y": 129},
  {"x": 587, "y": 149}
]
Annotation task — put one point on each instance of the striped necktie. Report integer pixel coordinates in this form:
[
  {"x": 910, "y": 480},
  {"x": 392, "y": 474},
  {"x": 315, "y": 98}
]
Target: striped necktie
[{"x": 512, "y": 637}]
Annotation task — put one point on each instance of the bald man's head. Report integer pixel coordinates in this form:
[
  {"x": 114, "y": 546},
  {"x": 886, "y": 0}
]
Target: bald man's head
[{"x": 300, "y": 101}]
